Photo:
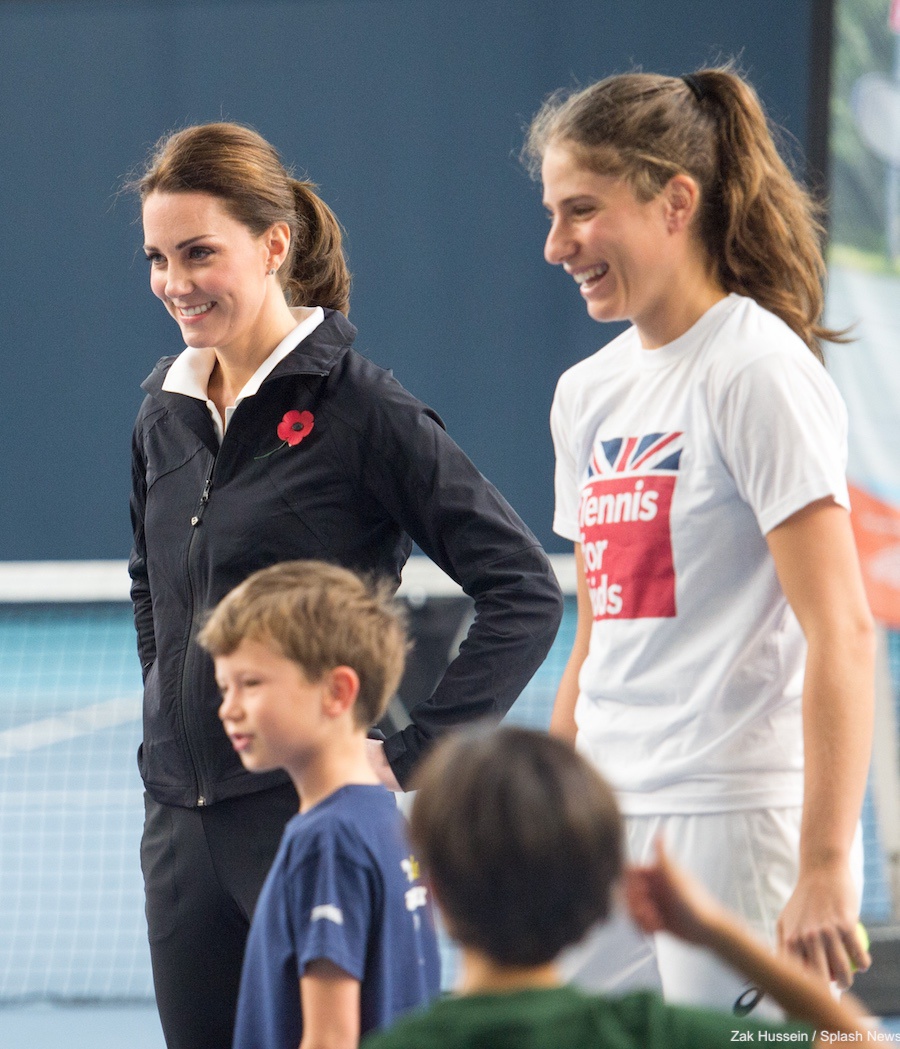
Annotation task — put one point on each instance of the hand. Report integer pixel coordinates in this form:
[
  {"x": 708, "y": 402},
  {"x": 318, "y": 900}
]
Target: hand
[
  {"x": 384, "y": 772},
  {"x": 818, "y": 925},
  {"x": 663, "y": 897}
]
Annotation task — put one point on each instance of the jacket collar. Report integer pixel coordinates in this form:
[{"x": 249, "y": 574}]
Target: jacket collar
[{"x": 315, "y": 355}]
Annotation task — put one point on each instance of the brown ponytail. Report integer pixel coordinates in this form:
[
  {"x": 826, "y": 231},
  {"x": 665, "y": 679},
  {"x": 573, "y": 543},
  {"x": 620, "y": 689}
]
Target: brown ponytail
[
  {"x": 237, "y": 165},
  {"x": 317, "y": 271},
  {"x": 761, "y": 228}
]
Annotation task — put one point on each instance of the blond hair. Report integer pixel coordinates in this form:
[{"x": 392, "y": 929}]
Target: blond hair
[
  {"x": 320, "y": 616},
  {"x": 760, "y": 227},
  {"x": 237, "y": 165}
]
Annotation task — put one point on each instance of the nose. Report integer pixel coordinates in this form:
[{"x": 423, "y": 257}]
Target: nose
[
  {"x": 558, "y": 247},
  {"x": 228, "y": 708},
  {"x": 177, "y": 282}
]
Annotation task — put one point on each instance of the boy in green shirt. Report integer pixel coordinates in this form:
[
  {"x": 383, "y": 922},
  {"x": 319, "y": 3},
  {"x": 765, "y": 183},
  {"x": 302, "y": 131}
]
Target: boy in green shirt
[{"x": 521, "y": 842}]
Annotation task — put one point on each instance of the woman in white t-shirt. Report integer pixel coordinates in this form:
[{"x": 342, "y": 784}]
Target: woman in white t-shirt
[{"x": 722, "y": 670}]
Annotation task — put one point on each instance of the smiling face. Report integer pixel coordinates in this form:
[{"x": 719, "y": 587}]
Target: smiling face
[
  {"x": 274, "y": 715},
  {"x": 210, "y": 272},
  {"x": 623, "y": 253}
]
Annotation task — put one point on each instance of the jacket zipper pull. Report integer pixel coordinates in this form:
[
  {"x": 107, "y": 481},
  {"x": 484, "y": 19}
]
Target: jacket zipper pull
[{"x": 204, "y": 499}]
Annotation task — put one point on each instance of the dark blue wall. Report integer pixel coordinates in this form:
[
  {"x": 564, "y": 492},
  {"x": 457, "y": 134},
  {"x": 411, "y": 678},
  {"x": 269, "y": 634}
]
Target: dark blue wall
[{"x": 408, "y": 113}]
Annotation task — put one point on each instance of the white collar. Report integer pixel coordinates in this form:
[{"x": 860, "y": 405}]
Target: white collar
[{"x": 191, "y": 369}]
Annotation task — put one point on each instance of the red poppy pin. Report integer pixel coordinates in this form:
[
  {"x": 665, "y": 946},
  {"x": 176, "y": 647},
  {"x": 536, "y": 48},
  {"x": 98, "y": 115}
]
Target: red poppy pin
[{"x": 293, "y": 428}]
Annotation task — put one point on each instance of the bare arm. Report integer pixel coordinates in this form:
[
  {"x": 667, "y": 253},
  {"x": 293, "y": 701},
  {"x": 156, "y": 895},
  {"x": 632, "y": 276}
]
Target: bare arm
[
  {"x": 329, "y": 1000},
  {"x": 664, "y": 898},
  {"x": 562, "y": 721},
  {"x": 815, "y": 557}
]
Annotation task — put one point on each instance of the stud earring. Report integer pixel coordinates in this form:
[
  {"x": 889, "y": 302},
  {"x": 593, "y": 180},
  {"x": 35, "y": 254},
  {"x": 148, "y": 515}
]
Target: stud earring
[{"x": 271, "y": 273}]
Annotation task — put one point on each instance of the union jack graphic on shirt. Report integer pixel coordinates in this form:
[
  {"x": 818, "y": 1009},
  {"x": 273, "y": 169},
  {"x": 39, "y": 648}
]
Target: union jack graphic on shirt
[
  {"x": 624, "y": 521},
  {"x": 653, "y": 451}
]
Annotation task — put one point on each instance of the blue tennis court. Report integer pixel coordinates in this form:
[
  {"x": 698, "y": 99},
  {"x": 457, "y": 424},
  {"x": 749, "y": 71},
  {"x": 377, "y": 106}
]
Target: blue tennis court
[{"x": 73, "y": 952}]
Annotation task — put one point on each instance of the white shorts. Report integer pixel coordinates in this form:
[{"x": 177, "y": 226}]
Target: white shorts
[{"x": 746, "y": 859}]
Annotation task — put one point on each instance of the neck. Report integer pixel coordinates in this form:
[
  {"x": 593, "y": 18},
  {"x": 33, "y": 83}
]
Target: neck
[
  {"x": 339, "y": 762},
  {"x": 236, "y": 364},
  {"x": 482, "y": 975},
  {"x": 689, "y": 292}
]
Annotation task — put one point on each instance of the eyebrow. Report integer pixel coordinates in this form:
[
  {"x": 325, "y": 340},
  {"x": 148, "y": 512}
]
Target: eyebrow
[
  {"x": 571, "y": 199},
  {"x": 184, "y": 243}
]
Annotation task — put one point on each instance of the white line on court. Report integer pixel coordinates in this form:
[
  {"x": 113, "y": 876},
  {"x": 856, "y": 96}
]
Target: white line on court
[
  {"x": 65, "y": 727},
  {"x": 106, "y": 800},
  {"x": 26, "y": 581}
]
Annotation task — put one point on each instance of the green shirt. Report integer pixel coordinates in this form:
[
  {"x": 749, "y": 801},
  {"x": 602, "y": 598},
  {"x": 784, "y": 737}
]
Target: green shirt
[{"x": 566, "y": 1018}]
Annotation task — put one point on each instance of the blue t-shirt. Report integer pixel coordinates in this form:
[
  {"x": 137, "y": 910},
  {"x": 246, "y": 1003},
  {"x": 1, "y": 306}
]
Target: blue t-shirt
[{"x": 344, "y": 886}]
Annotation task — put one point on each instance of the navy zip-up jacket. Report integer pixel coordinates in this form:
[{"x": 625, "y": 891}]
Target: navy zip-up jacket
[{"x": 376, "y": 471}]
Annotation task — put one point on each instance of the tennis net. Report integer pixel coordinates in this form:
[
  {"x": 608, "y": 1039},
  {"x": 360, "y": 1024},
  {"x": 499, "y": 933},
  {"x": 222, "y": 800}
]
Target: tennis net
[{"x": 71, "y": 804}]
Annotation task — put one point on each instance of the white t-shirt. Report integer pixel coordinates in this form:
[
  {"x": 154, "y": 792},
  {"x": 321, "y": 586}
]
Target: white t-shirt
[{"x": 671, "y": 466}]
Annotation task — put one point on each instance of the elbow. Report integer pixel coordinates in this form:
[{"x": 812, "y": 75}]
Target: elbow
[
  {"x": 546, "y": 603},
  {"x": 849, "y": 635},
  {"x": 553, "y": 602},
  {"x": 860, "y": 635},
  {"x": 557, "y": 616},
  {"x": 527, "y": 586},
  {"x": 547, "y": 592},
  {"x": 867, "y": 639}
]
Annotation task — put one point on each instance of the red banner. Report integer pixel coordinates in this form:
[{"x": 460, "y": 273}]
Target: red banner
[{"x": 876, "y": 526}]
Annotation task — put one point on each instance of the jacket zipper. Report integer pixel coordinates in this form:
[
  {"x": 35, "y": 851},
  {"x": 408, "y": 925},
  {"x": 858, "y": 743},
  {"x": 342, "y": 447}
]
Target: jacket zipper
[
  {"x": 196, "y": 519},
  {"x": 204, "y": 499}
]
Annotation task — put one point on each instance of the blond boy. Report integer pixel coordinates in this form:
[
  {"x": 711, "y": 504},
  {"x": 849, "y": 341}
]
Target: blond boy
[{"x": 307, "y": 656}]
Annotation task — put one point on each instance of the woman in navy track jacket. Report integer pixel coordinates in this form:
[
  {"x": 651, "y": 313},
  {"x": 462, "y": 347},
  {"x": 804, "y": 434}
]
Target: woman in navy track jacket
[{"x": 270, "y": 439}]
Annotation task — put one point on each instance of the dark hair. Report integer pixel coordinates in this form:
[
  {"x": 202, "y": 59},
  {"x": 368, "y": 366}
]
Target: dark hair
[
  {"x": 521, "y": 840},
  {"x": 761, "y": 228},
  {"x": 321, "y": 616},
  {"x": 237, "y": 165}
]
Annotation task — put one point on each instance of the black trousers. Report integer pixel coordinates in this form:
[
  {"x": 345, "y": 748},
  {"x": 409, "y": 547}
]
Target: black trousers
[{"x": 203, "y": 872}]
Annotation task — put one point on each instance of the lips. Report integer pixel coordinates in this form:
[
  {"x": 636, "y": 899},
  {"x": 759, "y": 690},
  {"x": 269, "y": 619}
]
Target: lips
[
  {"x": 585, "y": 277},
  {"x": 188, "y": 312},
  {"x": 240, "y": 741}
]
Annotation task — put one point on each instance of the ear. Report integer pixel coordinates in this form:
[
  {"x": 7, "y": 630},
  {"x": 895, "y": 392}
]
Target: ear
[
  {"x": 341, "y": 689},
  {"x": 681, "y": 201},
  {"x": 277, "y": 240}
]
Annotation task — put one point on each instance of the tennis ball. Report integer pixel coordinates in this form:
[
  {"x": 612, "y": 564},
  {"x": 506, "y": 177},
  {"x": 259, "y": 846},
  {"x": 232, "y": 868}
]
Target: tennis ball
[{"x": 863, "y": 937}]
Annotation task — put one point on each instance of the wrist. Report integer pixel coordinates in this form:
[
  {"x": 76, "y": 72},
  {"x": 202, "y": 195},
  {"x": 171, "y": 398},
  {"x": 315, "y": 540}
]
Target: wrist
[
  {"x": 822, "y": 858},
  {"x": 717, "y": 929}
]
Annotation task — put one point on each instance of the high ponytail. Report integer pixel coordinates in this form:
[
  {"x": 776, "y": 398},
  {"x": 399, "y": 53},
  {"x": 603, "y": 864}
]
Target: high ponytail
[
  {"x": 760, "y": 227},
  {"x": 237, "y": 165},
  {"x": 765, "y": 230}
]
